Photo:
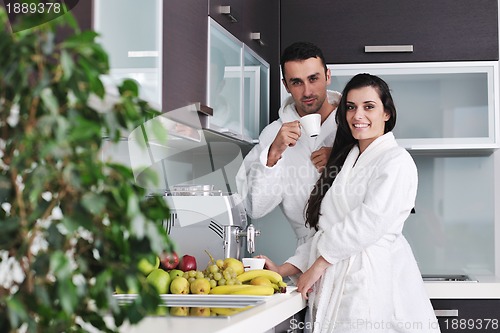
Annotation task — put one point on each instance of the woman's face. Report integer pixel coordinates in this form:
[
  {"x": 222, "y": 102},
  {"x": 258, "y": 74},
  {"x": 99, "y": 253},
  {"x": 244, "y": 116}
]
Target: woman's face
[{"x": 365, "y": 115}]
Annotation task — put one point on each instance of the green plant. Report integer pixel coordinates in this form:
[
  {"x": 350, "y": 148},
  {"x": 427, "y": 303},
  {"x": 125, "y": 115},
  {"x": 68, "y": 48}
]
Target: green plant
[{"x": 72, "y": 227}]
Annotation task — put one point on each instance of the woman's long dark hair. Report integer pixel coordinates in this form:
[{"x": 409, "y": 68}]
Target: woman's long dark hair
[{"x": 344, "y": 141}]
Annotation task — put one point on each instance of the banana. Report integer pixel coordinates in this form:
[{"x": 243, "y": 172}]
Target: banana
[
  {"x": 249, "y": 275},
  {"x": 243, "y": 289},
  {"x": 228, "y": 311},
  {"x": 225, "y": 290},
  {"x": 254, "y": 290}
]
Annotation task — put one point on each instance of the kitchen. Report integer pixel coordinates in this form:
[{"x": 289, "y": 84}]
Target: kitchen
[
  {"x": 459, "y": 173},
  {"x": 452, "y": 233}
]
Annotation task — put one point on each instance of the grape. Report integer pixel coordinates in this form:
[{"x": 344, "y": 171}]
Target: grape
[
  {"x": 221, "y": 282},
  {"x": 213, "y": 283},
  {"x": 230, "y": 282},
  {"x": 185, "y": 275},
  {"x": 219, "y": 263},
  {"x": 230, "y": 270},
  {"x": 199, "y": 275},
  {"x": 191, "y": 279},
  {"x": 217, "y": 276},
  {"x": 227, "y": 275},
  {"x": 192, "y": 274},
  {"x": 213, "y": 268},
  {"x": 238, "y": 282}
]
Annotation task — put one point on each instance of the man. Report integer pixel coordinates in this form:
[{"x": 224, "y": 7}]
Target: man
[{"x": 283, "y": 168}]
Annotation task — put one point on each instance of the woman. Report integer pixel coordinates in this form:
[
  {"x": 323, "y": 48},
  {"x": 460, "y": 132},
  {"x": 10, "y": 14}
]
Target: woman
[{"x": 359, "y": 272}]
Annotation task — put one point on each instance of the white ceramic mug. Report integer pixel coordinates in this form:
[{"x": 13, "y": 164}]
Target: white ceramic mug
[
  {"x": 253, "y": 263},
  {"x": 311, "y": 124}
]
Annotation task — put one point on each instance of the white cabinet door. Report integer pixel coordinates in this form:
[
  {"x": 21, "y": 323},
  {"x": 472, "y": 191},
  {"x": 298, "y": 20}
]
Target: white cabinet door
[
  {"x": 440, "y": 106},
  {"x": 131, "y": 33}
]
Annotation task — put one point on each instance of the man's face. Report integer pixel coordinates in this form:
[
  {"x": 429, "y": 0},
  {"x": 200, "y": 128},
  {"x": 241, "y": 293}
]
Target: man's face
[{"x": 306, "y": 81}]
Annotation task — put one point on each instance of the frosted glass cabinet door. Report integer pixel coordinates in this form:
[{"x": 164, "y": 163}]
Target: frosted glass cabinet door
[
  {"x": 255, "y": 94},
  {"x": 439, "y": 105},
  {"x": 225, "y": 74},
  {"x": 131, "y": 33}
]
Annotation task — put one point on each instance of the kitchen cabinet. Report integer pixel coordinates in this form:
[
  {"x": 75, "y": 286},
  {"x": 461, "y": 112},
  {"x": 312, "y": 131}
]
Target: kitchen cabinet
[
  {"x": 160, "y": 44},
  {"x": 443, "y": 106},
  {"x": 256, "y": 23},
  {"x": 238, "y": 85},
  {"x": 446, "y": 30},
  {"x": 467, "y": 315}
]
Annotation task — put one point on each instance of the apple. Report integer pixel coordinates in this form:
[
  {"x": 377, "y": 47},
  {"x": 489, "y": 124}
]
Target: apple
[
  {"x": 187, "y": 263},
  {"x": 175, "y": 273},
  {"x": 159, "y": 279},
  {"x": 169, "y": 260},
  {"x": 146, "y": 267}
]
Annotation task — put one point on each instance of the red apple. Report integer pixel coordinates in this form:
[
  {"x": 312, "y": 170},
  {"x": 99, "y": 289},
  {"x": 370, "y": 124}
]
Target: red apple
[
  {"x": 188, "y": 263},
  {"x": 169, "y": 260}
]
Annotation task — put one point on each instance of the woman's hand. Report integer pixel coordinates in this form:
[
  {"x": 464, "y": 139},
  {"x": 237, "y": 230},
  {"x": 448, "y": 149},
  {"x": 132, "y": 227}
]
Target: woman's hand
[
  {"x": 284, "y": 270},
  {"x": 307, "y": 280}
]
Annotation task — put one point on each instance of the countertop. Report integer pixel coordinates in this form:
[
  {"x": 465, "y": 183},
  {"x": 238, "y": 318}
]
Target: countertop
[
  {"x": 280, "y": 307},
  {"x": 485, "y": 287},
  {"x": 259, "y": 319}
]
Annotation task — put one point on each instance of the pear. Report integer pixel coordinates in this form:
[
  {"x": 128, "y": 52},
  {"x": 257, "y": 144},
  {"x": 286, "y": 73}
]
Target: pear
[
  {"x": 235, "y": 264},
  {"x": 261, "y": 281},
  {"x": 179, "y": 285},
  {"x": 200, "y": 286},
  {"x": 160, "y": 279},
  {"x": 179, "y": 311},
  {"x": 175, "y": 273},
  {"x": 199, "y": 312}
]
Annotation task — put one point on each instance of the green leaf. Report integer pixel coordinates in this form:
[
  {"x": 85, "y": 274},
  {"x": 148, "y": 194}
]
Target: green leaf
[
  {"x": 67, "y": 64},
  {"x": 129, "y": 87},
  {"x": 50, "y": 101},
  {"x": 94, "y": 203}
]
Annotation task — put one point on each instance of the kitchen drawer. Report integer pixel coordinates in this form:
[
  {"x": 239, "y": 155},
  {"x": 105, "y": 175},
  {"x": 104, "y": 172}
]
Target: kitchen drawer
[{"x": 468, "y": 315}]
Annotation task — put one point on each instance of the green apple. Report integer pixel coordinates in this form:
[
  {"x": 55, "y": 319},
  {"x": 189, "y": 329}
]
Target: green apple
[
  {"x": 160, "y": 279},
  {"x": 147, "y": 267},
  {"x": 200, "y": 286},
  {"x": 175, "y": 273},
  {"x": 180, "y": 285}
]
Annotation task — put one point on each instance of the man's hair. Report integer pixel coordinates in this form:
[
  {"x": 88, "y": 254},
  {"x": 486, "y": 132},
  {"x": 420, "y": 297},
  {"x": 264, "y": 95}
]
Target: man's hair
[{"x": 301, "y": 51}]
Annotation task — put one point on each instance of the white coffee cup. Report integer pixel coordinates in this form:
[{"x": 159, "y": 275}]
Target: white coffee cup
[
  {"x": 253, "y": 263},
  {"x": 311, "y": 124}
]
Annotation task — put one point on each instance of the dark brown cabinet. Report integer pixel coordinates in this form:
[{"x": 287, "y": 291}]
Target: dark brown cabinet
[
  {"x": 445, "y": 30},
  {"x": 468, "y": 315},
  {"x": 255, "y": 23},
  {"x": 185, "y": 34}
]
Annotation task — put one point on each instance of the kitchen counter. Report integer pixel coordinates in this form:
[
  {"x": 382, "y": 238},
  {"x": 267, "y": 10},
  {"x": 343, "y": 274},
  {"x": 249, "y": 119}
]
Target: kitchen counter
[
  {"x": 485, "y": 287},
  {"x": 280, "y": 307},
  {"x": 259, "y": 319}
]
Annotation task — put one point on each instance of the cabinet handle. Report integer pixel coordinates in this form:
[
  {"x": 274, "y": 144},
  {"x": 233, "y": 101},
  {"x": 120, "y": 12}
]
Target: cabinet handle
[
  {"x": 388, "y": 48},
  {"x": 226, "y": 10},
  {"x": 446, "y": 313},
  {"x": 256, "y": 37}
]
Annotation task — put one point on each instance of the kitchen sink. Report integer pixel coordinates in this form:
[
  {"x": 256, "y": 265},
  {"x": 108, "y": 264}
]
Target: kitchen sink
[{"x": 447, "y": 278}]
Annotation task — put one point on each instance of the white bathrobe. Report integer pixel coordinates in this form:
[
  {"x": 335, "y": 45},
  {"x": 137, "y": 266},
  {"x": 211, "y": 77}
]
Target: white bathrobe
[
  {"x": 374, "y": 284},
  {"x": 289, "y": 182}
]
